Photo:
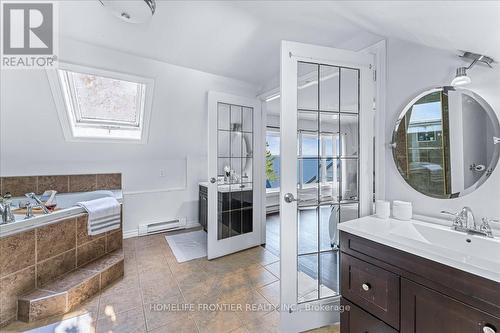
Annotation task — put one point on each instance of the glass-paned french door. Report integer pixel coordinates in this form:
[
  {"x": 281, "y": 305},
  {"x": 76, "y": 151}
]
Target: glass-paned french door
[
  {"x": 328, "y": 106},
  {"x": 326, "y": 172},
  {"x": 234, "y": 177},
  {"x": 234, "y": 170}
]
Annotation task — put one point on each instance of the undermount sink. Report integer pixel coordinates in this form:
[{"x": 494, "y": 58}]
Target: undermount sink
[{"x": 472, "y": 253}]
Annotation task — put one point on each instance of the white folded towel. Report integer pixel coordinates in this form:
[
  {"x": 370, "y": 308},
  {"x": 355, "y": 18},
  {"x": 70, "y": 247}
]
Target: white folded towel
[{"x": 104, "y": 214}]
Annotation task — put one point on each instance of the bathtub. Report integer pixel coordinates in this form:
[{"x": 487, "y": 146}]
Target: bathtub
[{"x": 66, "y": 205}]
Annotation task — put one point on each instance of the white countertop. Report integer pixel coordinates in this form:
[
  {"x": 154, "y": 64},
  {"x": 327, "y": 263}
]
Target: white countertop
[
  {"x": 224, "y": 188},
  {"x": 436, "y": 242}
]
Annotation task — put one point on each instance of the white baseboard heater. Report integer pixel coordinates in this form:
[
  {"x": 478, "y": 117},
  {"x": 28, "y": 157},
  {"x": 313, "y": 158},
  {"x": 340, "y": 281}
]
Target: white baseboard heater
[{"x": 157, "y": 227}]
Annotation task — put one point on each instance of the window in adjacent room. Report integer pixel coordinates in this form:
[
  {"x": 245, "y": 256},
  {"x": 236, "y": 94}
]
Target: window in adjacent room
[{"x": 272, "y": 158}]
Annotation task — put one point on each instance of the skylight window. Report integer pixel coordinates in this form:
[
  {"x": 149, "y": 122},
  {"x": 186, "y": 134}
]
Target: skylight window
[{"x": 102, "y": 105}]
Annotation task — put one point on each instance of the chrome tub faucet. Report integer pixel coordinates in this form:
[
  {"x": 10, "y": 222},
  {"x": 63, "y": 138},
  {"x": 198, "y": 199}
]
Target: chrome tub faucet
[
  {"x": 5, "y": 209},
  {"x": 39, "y": 202}
]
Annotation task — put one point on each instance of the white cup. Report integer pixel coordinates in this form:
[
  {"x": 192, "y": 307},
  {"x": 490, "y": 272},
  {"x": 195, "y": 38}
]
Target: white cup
[
  {"x": 382, "y": 209},
  {"x": 402, "y": 210}
]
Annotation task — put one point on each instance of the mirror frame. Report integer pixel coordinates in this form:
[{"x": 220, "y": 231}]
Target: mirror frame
[{"x": 496, "y": 125}]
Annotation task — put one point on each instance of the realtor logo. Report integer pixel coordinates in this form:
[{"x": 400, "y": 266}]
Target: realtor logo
[{"x": 28, "y": 34}]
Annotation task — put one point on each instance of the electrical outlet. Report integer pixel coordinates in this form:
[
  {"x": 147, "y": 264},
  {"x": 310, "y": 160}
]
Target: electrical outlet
[{"x": 163, "y": 173}]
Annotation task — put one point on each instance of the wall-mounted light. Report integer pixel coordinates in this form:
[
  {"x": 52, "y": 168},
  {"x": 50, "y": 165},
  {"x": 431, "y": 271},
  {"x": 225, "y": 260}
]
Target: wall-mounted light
[{"x": 461, "y": 77}]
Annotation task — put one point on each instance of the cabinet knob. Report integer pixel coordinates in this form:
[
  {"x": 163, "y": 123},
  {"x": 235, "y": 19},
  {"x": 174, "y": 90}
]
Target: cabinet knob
[
  {"x": 488, "y": 329},
  {"x": 213, "y": 180},
  {"x": 366, "y": 286}
]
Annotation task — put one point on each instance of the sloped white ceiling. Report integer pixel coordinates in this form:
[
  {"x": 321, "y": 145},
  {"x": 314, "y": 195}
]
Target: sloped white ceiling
[
  {"x": 241, "y": 39},
  {"x": 451, "y": 25}
]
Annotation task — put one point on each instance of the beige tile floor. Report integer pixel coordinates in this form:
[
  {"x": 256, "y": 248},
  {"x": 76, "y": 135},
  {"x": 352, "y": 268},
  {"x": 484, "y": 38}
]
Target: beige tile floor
[{"x": 154, "y": 281}]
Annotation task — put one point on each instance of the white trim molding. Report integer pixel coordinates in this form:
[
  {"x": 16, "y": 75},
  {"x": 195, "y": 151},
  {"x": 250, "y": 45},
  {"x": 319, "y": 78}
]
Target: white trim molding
[{"x": 379, "y": 50}]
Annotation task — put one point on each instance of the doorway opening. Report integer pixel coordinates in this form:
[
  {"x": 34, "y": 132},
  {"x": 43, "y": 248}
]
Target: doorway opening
[{"x": 272, "y": 174}]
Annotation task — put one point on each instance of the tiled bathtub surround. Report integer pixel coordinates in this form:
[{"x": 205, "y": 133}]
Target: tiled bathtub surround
[
  {"x": 35, "y": 258},
  {"x": 18, "y": 186}
]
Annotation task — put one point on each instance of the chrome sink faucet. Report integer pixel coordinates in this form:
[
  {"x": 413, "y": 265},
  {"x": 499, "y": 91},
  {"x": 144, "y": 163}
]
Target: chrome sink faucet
[
  {"x": 468, "y": 218},
  {"x": 466, "y": 222}
]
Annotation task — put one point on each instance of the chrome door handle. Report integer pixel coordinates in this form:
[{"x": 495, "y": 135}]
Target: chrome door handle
[
  {"x": 366, "y": 286},
  {"x": 289, "y": 198},
  {"x": 213, "y": 180}
]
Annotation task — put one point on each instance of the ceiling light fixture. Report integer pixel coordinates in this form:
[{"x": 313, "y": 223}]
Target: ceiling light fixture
[
  {"x": 132, "y": 11},
  {"x": 461, "y": 77}
]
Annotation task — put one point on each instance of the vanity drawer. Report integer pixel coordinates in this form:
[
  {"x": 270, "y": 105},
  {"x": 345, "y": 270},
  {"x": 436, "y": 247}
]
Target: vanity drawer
[
  {"x": 424, "y": 310},
  {"x": 357, "y": 320},
  {"x": 370, "y": 287}
]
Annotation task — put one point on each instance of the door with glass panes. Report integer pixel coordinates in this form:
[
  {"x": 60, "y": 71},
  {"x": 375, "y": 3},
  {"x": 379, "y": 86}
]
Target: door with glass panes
[
  {"x": 234, "y": 151},
  {"x": 325, "y": 174}
]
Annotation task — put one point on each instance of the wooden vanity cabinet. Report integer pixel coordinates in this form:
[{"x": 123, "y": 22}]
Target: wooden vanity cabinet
[
  {"x": 203, "y": 206},
  {"x": 234, "y": 211},
  {"x": 390, "y": 291}
]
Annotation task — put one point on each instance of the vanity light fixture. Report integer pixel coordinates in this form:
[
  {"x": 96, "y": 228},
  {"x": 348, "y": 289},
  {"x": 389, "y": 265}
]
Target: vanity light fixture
[
  {"x": 132, "y": 11},
  {"x": 461, "y": 77}
]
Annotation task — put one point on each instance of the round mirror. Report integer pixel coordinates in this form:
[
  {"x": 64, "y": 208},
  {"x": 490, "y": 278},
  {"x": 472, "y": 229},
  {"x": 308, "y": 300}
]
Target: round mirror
[{"x": 446, "y": 142}]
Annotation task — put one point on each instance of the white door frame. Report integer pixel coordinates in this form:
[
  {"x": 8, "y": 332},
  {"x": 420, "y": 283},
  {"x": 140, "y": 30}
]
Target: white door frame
[
  {"x": 381, "y": 139},
  {"x": 218, "y": 248},
  {"x": 295, "y": 317},
  {"x": 263, "y": 193}
]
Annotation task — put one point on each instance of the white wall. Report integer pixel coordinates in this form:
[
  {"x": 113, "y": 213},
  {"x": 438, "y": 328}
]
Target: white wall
[
  {"x": 412, "y": 69},
  {"x": 32, "y": 141}
]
